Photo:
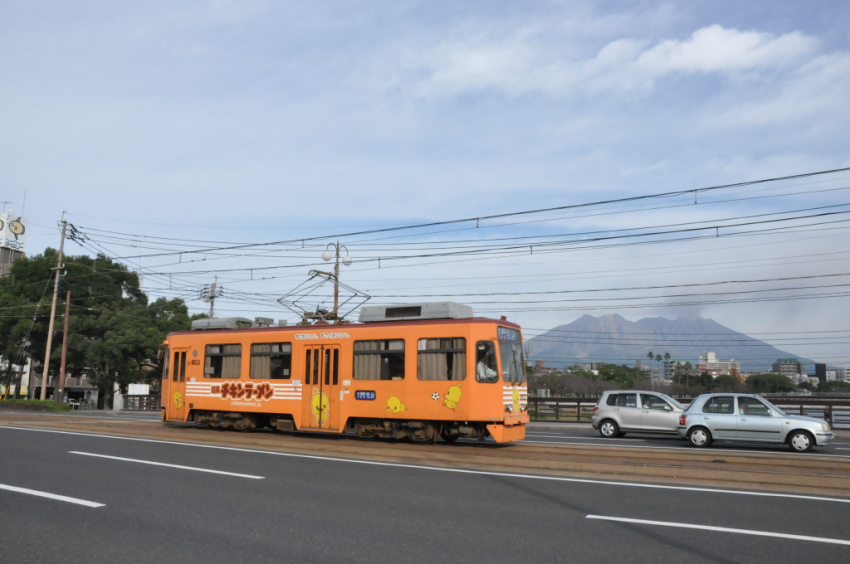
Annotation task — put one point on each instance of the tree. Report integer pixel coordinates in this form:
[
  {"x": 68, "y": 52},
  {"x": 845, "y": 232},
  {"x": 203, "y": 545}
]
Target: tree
[
  {"x": 114, "y": 332},
  {"x": 726, "y": 383},
  {"x": 806, "y": 385},
  {"x": 770, "y": 383},
  {"x": 624, "y": 376},
  {"x": 825, "y": 386}
]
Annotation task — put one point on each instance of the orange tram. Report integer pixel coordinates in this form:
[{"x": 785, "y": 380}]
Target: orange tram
[{"x": 419, "y": 371}]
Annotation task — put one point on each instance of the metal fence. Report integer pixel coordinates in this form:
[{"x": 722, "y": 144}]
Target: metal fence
[{"x": 835, "y": 411}]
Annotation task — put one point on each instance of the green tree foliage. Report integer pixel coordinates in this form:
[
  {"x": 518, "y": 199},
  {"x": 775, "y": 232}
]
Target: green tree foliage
[
  {"x": 770, "y": 384},
  {"x": 114, "y": 333},
  {"x": 833, "y": 387},
  {"x": 624, "y": 376}
]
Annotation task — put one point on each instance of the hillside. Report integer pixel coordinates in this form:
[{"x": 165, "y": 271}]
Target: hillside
[{"x": 614, "y": 339}]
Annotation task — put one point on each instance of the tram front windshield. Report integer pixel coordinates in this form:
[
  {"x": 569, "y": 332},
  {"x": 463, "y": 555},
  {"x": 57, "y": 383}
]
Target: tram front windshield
[{"x": 512, "y": 366}]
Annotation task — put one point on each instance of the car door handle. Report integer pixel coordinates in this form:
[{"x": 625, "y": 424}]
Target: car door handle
[{"x": 742, "y": 419}]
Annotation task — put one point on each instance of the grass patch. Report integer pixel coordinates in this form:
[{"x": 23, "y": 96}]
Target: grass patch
[{"x": 34, "y": 405}]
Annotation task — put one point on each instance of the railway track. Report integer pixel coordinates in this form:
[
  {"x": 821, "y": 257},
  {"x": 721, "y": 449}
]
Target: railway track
[{"x": 801, "y": 473}]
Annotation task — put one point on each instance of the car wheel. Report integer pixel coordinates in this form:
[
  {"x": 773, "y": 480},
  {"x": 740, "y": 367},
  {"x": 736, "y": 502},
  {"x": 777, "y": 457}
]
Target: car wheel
[
  {"x": 609, "y": 429},
  {"x": 699, "y": 437},
  {"x": 801, "y": 441}
]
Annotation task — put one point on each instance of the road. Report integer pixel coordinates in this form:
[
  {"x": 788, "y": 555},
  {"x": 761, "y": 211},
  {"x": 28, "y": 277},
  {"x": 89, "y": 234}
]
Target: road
[{"x": 170, "y": 502}]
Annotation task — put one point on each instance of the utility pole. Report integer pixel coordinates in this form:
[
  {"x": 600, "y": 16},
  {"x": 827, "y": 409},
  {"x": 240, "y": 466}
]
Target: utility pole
[
  {"x": 61, "y": 394},
  {"x": 53, "y": 310},
  {"x": 209, "y": 293}
]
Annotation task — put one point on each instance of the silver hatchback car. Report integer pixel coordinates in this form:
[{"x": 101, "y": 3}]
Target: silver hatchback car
[
  {"x": 748, "y": 418},
  {"x": 619, "y": 412}
]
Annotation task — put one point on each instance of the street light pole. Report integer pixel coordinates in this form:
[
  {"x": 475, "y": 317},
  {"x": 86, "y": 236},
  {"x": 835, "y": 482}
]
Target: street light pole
[
  {"x": 328, "y": 255},
  {"x": 336, "y": 282}
]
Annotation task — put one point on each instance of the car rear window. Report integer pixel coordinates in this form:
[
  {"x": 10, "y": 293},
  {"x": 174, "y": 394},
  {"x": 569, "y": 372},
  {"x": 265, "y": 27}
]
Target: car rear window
[{"x": 612, "y": 399}]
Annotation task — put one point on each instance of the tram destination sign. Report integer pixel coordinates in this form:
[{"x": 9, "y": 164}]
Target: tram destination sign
[{"x": 508, "y": 334}]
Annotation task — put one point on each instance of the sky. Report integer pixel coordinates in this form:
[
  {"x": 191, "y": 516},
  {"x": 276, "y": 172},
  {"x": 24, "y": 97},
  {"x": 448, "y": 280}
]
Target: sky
[{"x": 259, "y": 121}]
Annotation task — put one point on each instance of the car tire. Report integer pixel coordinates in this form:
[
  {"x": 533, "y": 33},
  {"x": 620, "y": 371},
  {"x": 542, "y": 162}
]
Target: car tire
[
  {"x": 801, "y": 441},
  {"x": 699, "y": 437},
  {"x": 609, "y": 429}
]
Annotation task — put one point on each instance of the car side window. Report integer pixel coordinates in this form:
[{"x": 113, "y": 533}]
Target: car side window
[
  {"x": 721, "y": 405},
  {"x": 653, "y": 402},
  {"x": 752, "y": 406},
  {"x": 627, "y": 400},
  {"x": 612, "y": 399}
]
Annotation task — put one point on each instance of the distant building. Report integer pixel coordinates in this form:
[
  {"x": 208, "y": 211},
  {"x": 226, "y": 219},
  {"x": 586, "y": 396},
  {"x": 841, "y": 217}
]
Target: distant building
[
  {"x": 670, "y": 367},
  {"x": 820, "y": 372},
  {"x": 540, "y": 368},
  {"x": 841, "y": 374},
  {"x": 709, "y": 363},
  {"x": 789, "y": 367},
  {"x": 648, "y": 372}
]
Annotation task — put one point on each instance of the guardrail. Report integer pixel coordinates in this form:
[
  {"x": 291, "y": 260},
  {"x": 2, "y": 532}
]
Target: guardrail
[{"x": 835, "y": 411}]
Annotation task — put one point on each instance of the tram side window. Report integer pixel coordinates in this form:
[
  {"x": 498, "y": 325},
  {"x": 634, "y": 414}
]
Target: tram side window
[
  {"x": 485, "y": 362},
  {"x": 379, "y": 360},
  {"x": 223, "y": 361},
  {"x": 441, "y": 359},
  {"x": 271, "y": 361},
  {"x": 165, "y": 365}
]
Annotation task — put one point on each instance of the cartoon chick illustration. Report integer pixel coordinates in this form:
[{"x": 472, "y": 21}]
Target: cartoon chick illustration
[
  {"x": 319, "y": 406},
  {"x": 178, "y": 400},
  {"x": 452, "y": 397},
  {"x": 394, "y": 404},
  {"x": 516, "y": 400}
]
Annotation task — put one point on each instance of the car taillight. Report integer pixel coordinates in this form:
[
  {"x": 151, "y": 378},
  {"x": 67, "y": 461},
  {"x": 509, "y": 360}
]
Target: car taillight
[
  {"x": 682, "y": 420},
  {"x": 595, "y": 409}
]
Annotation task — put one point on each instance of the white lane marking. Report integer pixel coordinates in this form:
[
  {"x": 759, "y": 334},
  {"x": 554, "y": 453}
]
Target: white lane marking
[
  {"x": 169, "y": 465},
  {"x": 438, "y": 469},
  {"x": 51, "y": 496},
  {"x": 721, "y": 529}
]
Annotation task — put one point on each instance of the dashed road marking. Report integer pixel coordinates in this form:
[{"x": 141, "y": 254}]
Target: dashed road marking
[
  {"x": 721, "y": 529},
  {"x": 179, "y": 467},
  {"x": 51, "y": 496}
]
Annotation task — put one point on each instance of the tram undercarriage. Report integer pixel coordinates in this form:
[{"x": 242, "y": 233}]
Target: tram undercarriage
[{"x": 417, "y": 431}]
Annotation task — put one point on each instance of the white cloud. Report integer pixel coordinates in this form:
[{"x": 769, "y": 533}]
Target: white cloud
[
  {"x": 527, "y": 64},
  {"x": 717, "y": 49}
]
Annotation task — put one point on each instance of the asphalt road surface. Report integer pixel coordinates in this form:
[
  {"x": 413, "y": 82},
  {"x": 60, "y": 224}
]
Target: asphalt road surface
[{"x": 151, "y": 501}]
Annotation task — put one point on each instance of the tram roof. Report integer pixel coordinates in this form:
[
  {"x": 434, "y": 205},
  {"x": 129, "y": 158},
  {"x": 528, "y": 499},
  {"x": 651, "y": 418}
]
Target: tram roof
[{"x": 348, "y": 326}]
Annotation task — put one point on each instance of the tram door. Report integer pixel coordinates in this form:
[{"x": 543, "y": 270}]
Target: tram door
[
  {"x": 321, "y": 387},
  {"x": 177, "y": 386}
]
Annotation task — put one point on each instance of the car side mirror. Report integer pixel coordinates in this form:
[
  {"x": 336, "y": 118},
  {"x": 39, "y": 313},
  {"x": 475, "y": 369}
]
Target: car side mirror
[{"x": 668, "y": 408}]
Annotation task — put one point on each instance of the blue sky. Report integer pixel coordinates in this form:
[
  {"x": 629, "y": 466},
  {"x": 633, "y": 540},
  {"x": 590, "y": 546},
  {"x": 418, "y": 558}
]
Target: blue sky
[{"x": 257, "y": 121}]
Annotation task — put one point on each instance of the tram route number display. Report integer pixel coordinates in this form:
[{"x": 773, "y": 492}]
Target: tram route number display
[{"x": 363, "y": 395}]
